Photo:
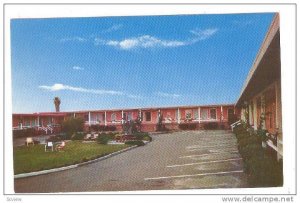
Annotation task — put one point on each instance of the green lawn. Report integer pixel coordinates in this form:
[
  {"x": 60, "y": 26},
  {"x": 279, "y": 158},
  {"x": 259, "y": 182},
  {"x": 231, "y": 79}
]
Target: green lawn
[{"x": 34, "y": 158}]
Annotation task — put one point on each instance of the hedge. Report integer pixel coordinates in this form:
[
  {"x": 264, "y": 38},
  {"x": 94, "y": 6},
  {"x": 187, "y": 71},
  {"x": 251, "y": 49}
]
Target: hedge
[
  {"x": 210, "y": 126},
  {"x": 262, "y": 169},
  {"x": 135, "y": 142},
  {"x": 103, "y": 128},
  {"x": 187, "y": 126},
  {"x": 28, "y": 132}
]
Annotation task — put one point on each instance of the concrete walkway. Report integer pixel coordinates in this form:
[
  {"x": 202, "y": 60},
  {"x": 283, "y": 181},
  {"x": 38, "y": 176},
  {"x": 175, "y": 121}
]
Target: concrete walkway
[{"x": 181, "y": 160}]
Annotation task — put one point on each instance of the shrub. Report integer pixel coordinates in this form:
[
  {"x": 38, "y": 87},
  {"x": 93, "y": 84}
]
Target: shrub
[
  {"x": 72, "y": 125},
  {"x": 242, "y": 135},
  {"x": 63, "y": 136},
  {"x": 104, "y": 138},
  {"x": 210, "y": 126},
  {"x": 135, "y": 142},
  {"x": 239, "y": 129},
  {"x": 247, "y": 141},
  {"x": 110, "y": 128},
  {"x": 28, "y": 132},
  {"x": 187, "y": 126},
  {"x": 53, "y": 138},
  {"x": 251, "y": 150},
  {"x": 143, "y": 136},
  {"x": 77, "y": 136}
]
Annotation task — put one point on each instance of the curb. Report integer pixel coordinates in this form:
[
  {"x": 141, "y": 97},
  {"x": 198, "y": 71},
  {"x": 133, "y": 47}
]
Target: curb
[{"x": 24, "y": 175}]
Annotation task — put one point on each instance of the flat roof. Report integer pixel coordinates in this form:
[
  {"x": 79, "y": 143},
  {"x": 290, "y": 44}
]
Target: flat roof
[{"x": 119, "y": 109}]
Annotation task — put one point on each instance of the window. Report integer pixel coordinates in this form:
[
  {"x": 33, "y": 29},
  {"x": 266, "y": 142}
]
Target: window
[
  {"x": 204, "y": 114},
  {"x": 27, "y": 122},
  {"x": 33, "y": 122},
  {"x": 141, "y": 115},
  {"x": 196, "y": 116},
  {"x": 148, "y": 116},
  {"x": 97, "y": 117},
  {"x": 213, "y": 114},
  {"x": 49, "y": 121},
  {"x": 168, "y": 117},
  {"x": 129, "y": 118},
  {"x": 113, "y": 117},
  {"x": 86, "y": 117},
  {"x": 188, "y": 114}
]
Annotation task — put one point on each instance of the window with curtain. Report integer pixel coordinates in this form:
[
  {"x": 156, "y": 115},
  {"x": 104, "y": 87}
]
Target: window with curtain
[
  {"x": 204, "y": 114},
  {"x": 213, "y": 114}
]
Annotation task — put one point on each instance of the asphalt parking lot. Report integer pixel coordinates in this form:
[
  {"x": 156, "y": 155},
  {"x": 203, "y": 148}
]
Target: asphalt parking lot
[{"x": 180, "y": 160}]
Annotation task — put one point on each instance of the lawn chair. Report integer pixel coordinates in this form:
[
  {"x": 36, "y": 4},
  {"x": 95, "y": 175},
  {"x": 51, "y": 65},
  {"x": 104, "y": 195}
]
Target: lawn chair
[
  {"x": 49, "y": 145},
  {"x": 61, "y": 146},
  {"x": 96, "y": 136},
  {"x": 88, "y": 136},
  {"x": 29, "y": 140}
]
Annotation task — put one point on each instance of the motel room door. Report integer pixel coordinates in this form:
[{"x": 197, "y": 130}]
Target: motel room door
[{"x": 271, "y": 110}]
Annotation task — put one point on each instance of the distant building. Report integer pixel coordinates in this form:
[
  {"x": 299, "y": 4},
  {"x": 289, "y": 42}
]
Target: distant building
[
  {"x": 172, "y": 117},
  {"x": 260, "y": 98}
]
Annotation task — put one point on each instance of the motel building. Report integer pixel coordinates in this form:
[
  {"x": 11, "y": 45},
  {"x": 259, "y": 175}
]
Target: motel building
[
  {"x": 260, "y": 98},
  {"x": 172, "y": 117},
  {"x": 259, "y": 104}
]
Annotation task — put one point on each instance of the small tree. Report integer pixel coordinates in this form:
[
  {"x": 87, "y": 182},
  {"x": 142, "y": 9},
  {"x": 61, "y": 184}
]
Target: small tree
[{"x": 72, "y": 125}]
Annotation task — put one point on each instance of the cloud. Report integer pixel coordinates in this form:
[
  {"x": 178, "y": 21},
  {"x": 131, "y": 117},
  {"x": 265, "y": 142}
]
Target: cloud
[
  {"x": 60, "y": 87},
  {"x": 203, "y": 34},
  {"x": 113, "y": 28},
  {"x": 148, "y": 41},
  {"x": 77, "y": 68},
  {"x": 163, "y": 94},
  {"x": 145, "y": 41},
  {"x": 72, "y": 39}
]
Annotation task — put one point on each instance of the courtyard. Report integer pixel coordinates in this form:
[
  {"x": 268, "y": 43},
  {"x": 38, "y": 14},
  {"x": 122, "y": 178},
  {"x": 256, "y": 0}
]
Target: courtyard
[{"x": 178, "y": 160}]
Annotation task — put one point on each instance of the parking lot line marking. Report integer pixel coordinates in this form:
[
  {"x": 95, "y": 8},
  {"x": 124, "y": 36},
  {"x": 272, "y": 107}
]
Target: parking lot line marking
[
  {"x": 213, "y": 153},
  {"x": 206, "y": 162},
  {"x": 198, "y": 149},
  {"x": 199, "y": 146},
  {"x": 194, "y": 175}
]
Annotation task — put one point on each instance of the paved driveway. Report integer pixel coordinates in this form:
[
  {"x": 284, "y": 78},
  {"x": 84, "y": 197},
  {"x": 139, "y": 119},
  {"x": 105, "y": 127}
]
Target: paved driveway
[{"x": 181, "y": 160}]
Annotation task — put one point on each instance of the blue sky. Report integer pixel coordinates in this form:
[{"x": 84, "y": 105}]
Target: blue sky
[{"x": 142, "y": 61}]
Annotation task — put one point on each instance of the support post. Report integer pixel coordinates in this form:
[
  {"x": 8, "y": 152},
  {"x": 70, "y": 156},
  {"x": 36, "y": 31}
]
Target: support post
[
  {"x": 199, "y": 114},
  {"x": 89, "y": 118},
  {"x": 178, "y": 116},
  {"x": 105, "y": 122},
  {"x": 222, "y": 114}
]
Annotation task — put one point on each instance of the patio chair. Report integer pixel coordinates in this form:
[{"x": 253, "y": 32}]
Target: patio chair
[
  {"x": 29, "y": 140},
  {"x": 88, "y": 136},
  {"x": 49, "y": 145},
  {"x": 61, "y": 146},
  {"x": 96, "y": 136}
]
